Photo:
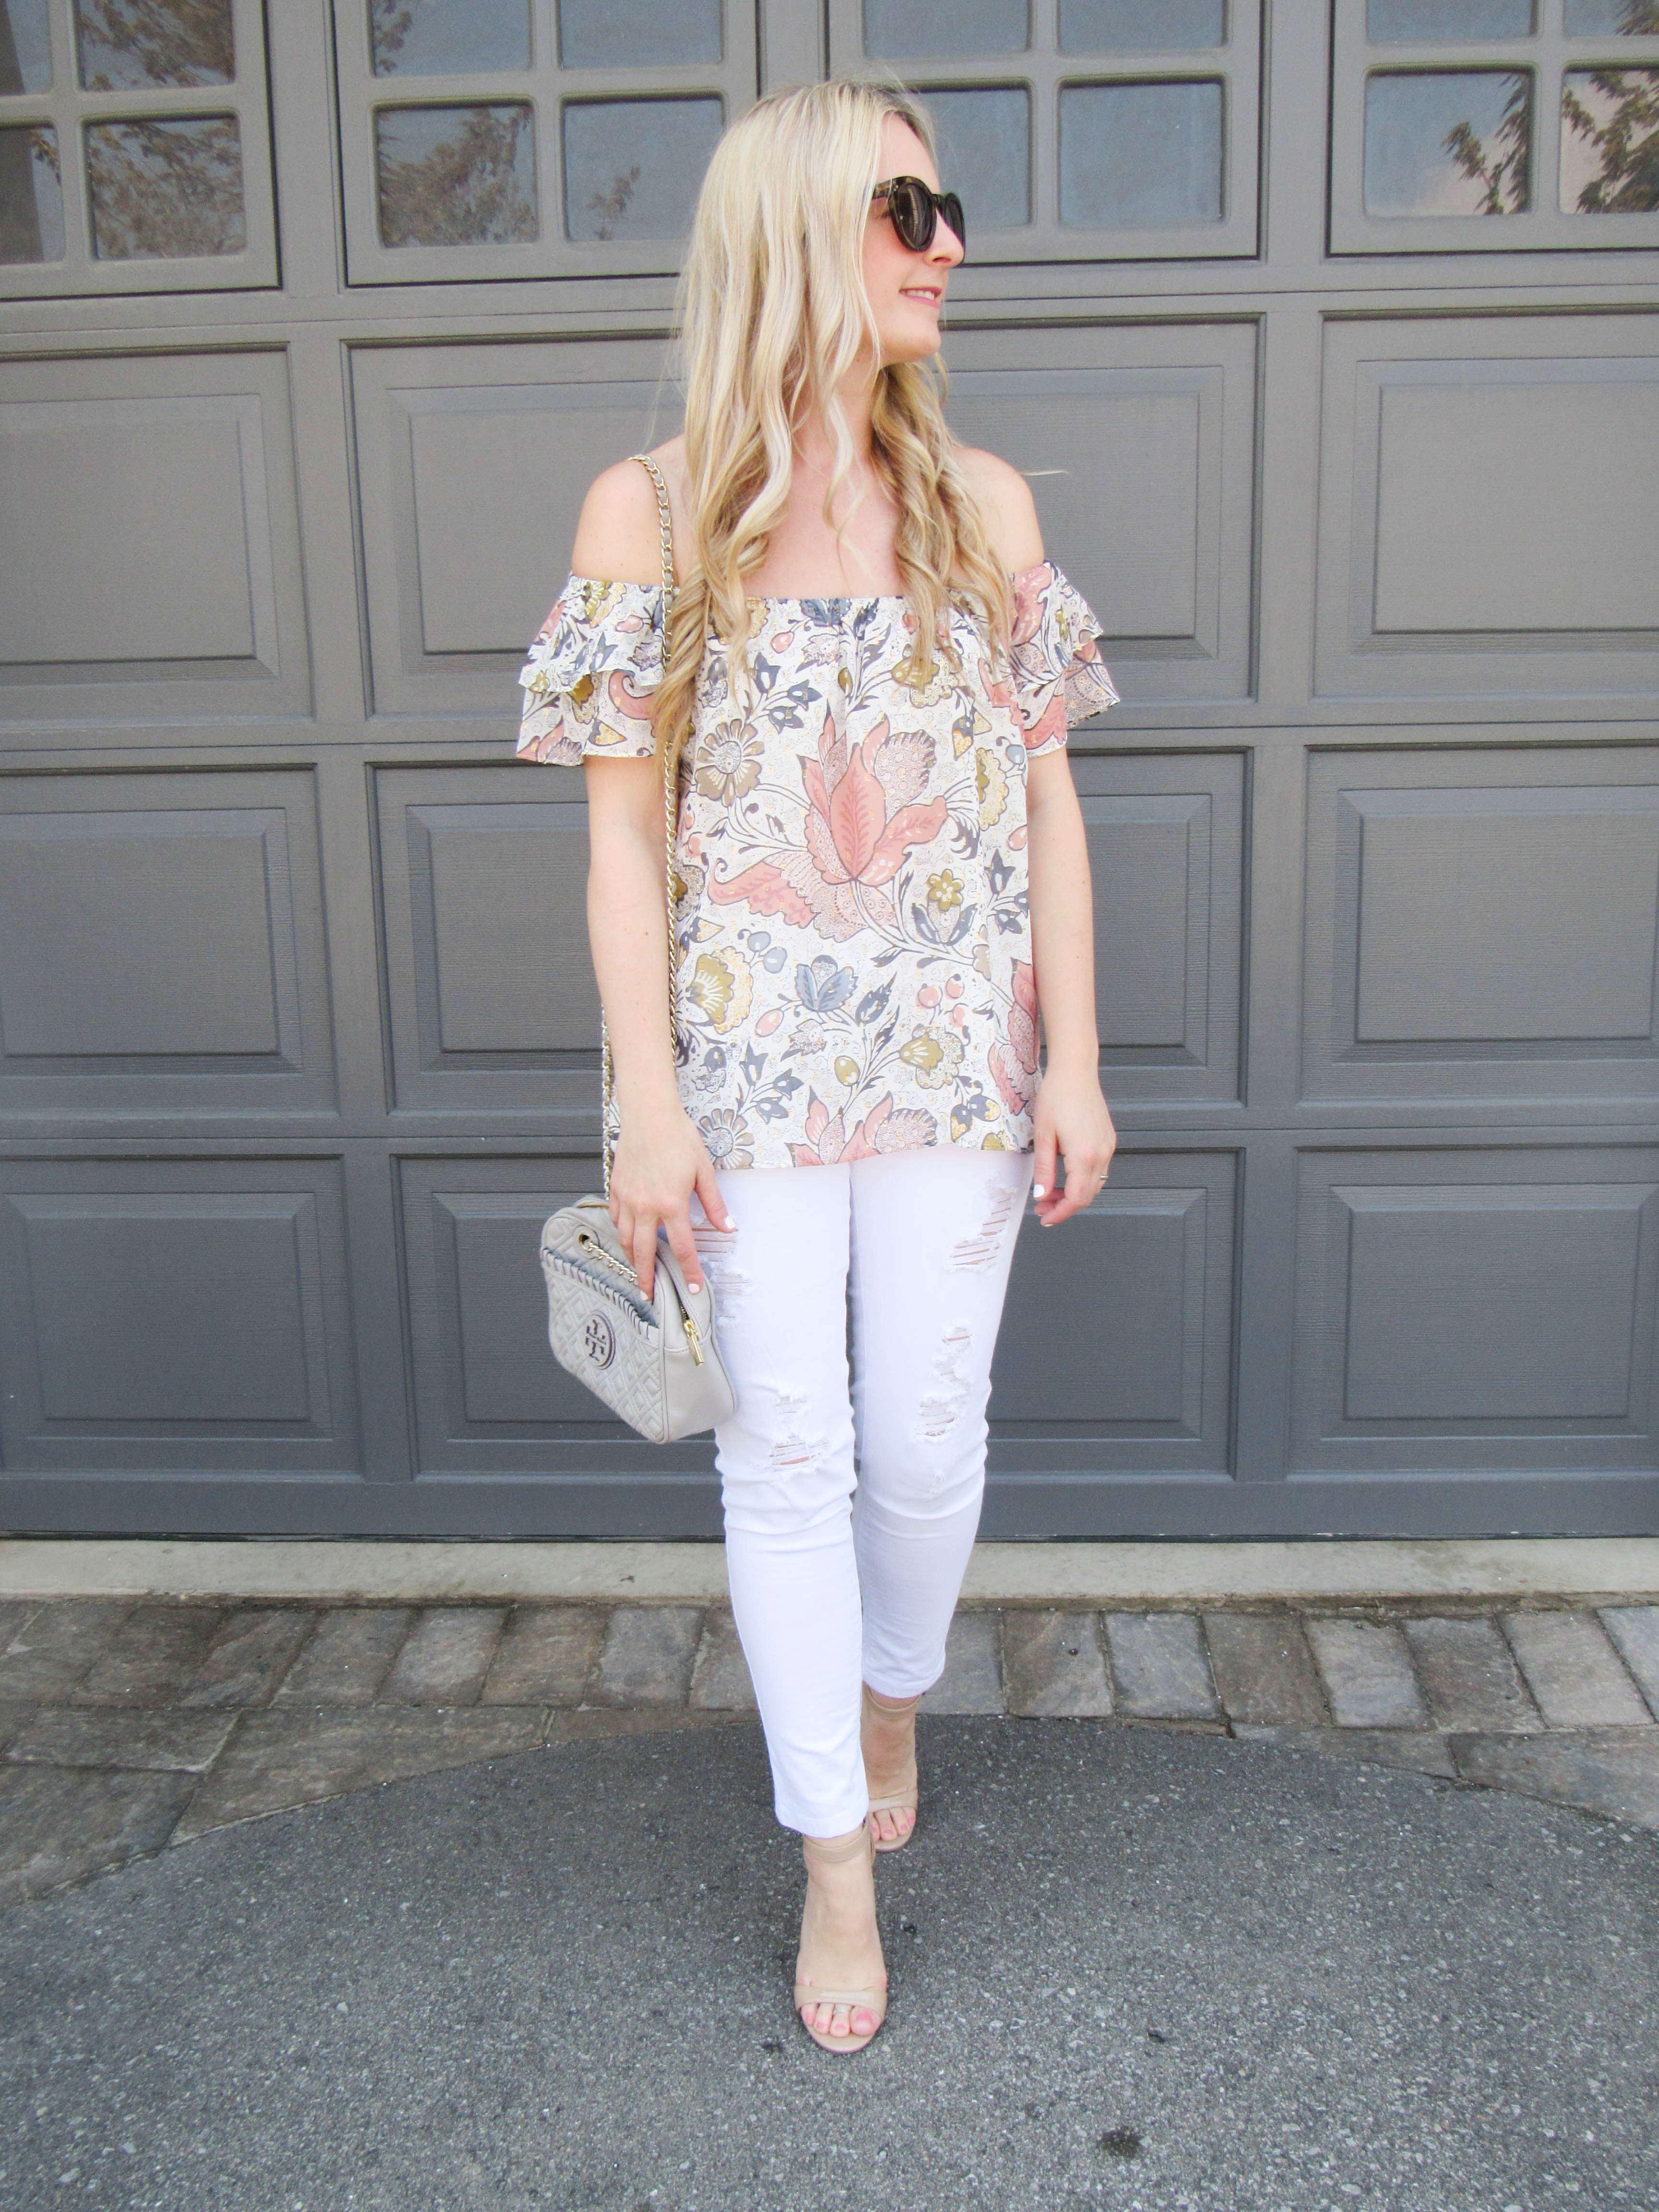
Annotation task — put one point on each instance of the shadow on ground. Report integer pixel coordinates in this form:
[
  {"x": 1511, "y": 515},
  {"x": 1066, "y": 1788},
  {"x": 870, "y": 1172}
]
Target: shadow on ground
[{"x": 1130, "y": 1968}]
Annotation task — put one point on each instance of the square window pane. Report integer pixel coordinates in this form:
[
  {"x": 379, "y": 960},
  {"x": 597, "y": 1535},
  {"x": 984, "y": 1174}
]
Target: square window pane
[
  {"x": 985, "y": 152},
  {"x": 1140, "y": 27},
  {"x": 168, "y": 189},
  {"x": 633, "y": 167},
  {"x": 126, "y": 44},
  {"x": 1610, "y": 141},
  {"x": 1613, "y": 19},
  {"x": 25, "y": 47},
  {"x": 638, "y": 34},
  {"x": 900, "y": 30},
  {"x": 1443, "y": 23},
  {"x": 1448, "y": 142},
  {"x": 31, "y": 194},
  {"x": 456, "y": 176},
  {"x": 1138, "y": 154},
  {"x": 437, "y": 38}
]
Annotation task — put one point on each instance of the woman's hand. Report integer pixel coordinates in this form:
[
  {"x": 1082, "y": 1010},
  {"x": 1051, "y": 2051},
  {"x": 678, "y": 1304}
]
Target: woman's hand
[
  {"x": 660, "y": 1160},
  {"x": 1072, "y": 1121}
]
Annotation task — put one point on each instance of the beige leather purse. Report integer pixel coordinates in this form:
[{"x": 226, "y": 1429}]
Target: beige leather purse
[{"x": 654, "y": 1361}]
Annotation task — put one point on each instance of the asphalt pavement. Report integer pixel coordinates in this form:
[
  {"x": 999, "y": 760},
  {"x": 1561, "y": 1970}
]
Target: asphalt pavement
[{"x": 1134, "y": 1967}]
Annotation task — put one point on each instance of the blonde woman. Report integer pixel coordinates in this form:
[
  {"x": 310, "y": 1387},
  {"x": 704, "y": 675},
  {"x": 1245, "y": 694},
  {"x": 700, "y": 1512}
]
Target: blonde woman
[{"x": 881, "y": 873}]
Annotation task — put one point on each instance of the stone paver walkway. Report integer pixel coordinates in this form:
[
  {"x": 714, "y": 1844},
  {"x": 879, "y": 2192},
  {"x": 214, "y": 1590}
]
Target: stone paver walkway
[{"x": 126, "y": 1727}]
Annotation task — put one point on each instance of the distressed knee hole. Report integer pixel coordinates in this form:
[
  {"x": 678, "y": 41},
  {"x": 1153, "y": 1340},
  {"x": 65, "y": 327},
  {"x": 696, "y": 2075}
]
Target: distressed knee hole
[
  {"x": 791, "y": 1451},
  {"x": 944, "y": 1405},
  {"x": 791, "y": 1455},
  {"x": 729, "y": 1283},
  {"x": 978, "y": 1252}
]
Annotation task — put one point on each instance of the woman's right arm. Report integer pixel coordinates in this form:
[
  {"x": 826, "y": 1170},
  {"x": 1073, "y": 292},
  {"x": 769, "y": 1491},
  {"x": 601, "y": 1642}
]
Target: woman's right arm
[{"x": 660, "y": 1159}]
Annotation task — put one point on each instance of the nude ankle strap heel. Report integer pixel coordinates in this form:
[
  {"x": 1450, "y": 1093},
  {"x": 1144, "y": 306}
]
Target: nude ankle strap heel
[
  {"x": 825, "y": 1851},
  {"x": 904, "y": 1800},
  {"x": 834, "y": 1850}
]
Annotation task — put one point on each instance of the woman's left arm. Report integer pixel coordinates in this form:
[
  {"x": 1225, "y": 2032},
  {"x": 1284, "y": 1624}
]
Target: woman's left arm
[{"x": 1071, "y": 1113}]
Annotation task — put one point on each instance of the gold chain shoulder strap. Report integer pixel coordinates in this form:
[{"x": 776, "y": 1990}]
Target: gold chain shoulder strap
[{"x": 666, "y": 529}]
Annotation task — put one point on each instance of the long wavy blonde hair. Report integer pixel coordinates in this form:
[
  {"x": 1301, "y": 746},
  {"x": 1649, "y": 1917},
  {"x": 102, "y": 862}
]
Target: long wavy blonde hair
[{"x": 773, "y": 315}]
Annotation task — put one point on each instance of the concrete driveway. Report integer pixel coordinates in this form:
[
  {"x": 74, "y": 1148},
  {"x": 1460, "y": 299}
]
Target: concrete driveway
[{"x": 1134, "y": 1967}]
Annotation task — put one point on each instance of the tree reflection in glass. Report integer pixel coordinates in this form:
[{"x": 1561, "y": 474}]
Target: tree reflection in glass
[
  {"x": 126, "y": 45},
  {"x": 457, "y": 176},
  {"x": 166, "y": 188},
  {"x": 1610, "y": 141},
  {"x": 436, "y": 37},
  {"x": 632, "y": 166},
  {"x": 1448, "y": 142},
  {"x": 1613, "y": 19},
  {"x": 31, "y": 194}
]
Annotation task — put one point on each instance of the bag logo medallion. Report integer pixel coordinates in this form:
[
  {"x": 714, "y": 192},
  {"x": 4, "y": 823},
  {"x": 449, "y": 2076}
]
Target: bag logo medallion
[{"x": 599, "y": 1340}]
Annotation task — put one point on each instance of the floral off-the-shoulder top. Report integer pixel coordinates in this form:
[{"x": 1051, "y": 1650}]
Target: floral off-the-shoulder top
[{"x": 853, "y": 923}]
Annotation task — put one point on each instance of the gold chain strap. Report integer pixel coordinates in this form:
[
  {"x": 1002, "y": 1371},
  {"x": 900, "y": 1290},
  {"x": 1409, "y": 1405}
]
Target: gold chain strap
[{"x": 665, "y": 526}]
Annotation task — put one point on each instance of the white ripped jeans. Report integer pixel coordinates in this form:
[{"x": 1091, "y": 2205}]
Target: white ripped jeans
[{"x": 835, "y": 1576}]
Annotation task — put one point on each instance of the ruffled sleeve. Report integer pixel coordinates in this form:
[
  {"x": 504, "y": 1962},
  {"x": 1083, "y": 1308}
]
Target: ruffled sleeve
[
  {"x": 1059, "y": 676},
  {"x": 588, "y": 684}
]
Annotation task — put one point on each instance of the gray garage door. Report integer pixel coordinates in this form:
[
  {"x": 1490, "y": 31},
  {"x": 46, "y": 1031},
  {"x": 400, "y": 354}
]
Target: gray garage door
[{"x": 1329, "y": 340}]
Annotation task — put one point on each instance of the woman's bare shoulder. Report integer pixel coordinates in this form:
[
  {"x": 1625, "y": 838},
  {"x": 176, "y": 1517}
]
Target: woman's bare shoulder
[
  {"x": 616, "y": 538},
  {"x": 1005, "y": 500}
]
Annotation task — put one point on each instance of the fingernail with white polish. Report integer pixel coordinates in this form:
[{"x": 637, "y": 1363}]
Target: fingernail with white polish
[{"x": 1039, "y": 1190}]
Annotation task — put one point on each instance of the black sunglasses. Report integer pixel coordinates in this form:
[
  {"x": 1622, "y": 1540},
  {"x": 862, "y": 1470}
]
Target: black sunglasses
[{"x": 915, "y": 209}]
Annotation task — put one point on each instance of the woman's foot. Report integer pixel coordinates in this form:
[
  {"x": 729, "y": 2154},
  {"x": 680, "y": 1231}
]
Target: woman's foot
[
  {"x": 840, "y": 1947},
  {"x": 889, "y": 1736}
]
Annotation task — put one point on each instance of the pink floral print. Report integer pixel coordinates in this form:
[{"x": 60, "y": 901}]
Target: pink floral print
[
  {"x": 1014, "y": 1056},
  {"x": 853, "y": 846},
  {"x": 853, "y": 924}
]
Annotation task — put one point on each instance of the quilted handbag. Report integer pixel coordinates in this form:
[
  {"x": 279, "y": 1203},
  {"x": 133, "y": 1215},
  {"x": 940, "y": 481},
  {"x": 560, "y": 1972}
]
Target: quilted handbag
[{"x": 654, "y": 1361}]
